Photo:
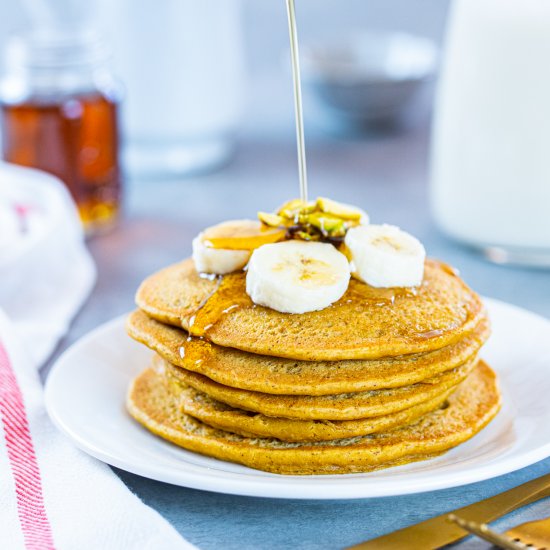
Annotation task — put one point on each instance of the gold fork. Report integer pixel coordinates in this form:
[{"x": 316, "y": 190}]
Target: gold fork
[
  {"x": 486, "y": 533},
  {"x": 534, "y": 535},
  {"x": 438, "y": 531}
]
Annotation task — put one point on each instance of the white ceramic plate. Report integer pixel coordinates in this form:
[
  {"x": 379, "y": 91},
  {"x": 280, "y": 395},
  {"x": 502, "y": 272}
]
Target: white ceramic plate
[{"x": 86, "y": 389}]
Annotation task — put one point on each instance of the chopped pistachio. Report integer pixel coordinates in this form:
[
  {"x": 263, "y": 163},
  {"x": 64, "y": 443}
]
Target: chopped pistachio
[
  {"x": 302, "y": 219},
  {"x": 338, "y": 209},
  {"x": 329, "y": 225},
  {"x": 294, "y": 207},
  {"x": 323, "y": 219},
  {"x": 273, "y": 220},
  {"x": 348, "y": 224},
  {"x": 290, "y": 208},
  {"x": 305, "y": 236}
]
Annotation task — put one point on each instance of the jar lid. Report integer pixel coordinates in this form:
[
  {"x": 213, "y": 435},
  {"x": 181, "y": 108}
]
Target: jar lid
[{"x": 57, "y": 50}]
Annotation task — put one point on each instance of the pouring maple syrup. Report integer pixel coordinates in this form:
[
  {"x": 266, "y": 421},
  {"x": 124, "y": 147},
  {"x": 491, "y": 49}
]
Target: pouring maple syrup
[
  {"x": 298, "y": 112},
  {"x": 229, "y": 292}
]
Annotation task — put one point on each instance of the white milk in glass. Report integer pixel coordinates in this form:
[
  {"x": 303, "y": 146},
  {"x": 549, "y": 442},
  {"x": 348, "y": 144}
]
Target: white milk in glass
[
  {"x": 491, "y": 137},
  {"x": 182, "y": 64}
]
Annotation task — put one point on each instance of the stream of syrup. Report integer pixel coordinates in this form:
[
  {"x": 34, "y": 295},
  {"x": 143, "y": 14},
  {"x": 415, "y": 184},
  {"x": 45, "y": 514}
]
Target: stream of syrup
[
  {"x": 294, "y": 54},
  {"x": 230, "y": 293}
]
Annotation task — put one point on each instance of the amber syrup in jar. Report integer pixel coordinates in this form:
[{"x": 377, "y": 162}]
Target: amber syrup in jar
[{"x": 59, "y": 114}]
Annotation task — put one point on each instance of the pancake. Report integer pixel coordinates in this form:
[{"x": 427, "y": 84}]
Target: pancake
[
  {"x": 344, "y": 406},
  {"x": 440, "y": 312},
  {"x": 470, "y": 408},
  {"x": 222, "y": 416},
  {"x": 278, "y": 375}
]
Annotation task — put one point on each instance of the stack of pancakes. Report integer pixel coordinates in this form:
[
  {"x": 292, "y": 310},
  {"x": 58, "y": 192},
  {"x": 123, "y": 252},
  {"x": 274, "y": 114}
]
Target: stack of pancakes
[{"x": 380, "y": 378}]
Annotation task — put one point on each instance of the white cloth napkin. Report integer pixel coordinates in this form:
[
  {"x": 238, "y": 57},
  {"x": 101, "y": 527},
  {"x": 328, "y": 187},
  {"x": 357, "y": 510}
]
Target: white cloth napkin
[{"x": 52, "y": 495}]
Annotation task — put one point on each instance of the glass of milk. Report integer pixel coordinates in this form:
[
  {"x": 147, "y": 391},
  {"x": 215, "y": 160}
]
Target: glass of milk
[
  {"x": 182, "y": 63},
  {"x": 490, "y": 162}
]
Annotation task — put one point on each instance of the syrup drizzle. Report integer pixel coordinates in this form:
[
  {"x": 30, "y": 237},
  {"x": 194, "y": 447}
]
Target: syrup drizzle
[
  {"x": 294, "y": 54},
  {"x": 229, "y": 294},
  {"x": 361, "y": 293},
  {"x": 195, "y": 351}
]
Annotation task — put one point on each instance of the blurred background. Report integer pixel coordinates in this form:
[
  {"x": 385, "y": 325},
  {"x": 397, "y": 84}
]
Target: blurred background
[
  {"x": 264, "y": 35},
  {"x": 196, "y": 86}
]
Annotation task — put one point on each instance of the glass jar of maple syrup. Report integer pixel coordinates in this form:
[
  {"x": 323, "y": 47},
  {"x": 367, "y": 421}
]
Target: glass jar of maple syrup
[{"x": 58, "y": 113}]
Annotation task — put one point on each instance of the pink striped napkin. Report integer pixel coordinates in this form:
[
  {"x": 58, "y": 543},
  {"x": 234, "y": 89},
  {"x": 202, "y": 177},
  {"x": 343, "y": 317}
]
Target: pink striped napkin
[{"x": 52, "y": 495}]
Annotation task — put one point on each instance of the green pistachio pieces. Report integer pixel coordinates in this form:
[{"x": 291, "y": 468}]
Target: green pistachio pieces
[
  {"x": 294, "y": 208},
  {"x": 323, "y": 219},
  {"x": 328, "y": 225},
  {"x": 273, "y": 220},
  {"x": 338, "y": 209}
]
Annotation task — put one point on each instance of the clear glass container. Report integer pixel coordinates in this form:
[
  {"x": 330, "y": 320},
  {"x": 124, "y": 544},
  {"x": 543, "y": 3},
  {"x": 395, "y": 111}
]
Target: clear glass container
[
  {"x": 491, "y": 136},
  {"x": 59, "y": 113},
  {"x": 182, "y": 64}
]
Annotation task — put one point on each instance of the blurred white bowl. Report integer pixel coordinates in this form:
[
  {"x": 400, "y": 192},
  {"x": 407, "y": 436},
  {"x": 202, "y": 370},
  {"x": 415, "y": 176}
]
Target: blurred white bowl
[{"x": 372, "y": 76}]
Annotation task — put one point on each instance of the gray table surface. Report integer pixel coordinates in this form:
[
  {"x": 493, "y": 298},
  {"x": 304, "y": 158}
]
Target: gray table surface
[{"x": 386, "y": 175}]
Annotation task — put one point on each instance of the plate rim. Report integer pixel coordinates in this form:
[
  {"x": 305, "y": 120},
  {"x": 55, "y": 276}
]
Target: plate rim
[{"x": 250, "y": 483}]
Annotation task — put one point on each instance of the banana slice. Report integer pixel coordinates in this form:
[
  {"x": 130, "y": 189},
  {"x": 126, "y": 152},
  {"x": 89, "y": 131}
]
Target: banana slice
[
  {"x": 297, "y": 276},
  {"x": 226, "y": 247},
  {"x": 217, "y": 261},
  {"x": 386, "y": 256}
]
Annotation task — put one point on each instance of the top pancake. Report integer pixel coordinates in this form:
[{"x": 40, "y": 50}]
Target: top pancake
[{"x": 366, "y": 323}]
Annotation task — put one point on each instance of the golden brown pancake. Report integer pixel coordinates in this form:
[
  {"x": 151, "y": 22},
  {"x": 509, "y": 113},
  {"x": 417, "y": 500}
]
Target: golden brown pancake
[
  {"x": 470, "y": 408},
  {"x": 344, "y": 406},
  {"x": 219, "y": 415},
  {"x": 366, "y": 323},
  {"x": 278, "y": 375}
]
